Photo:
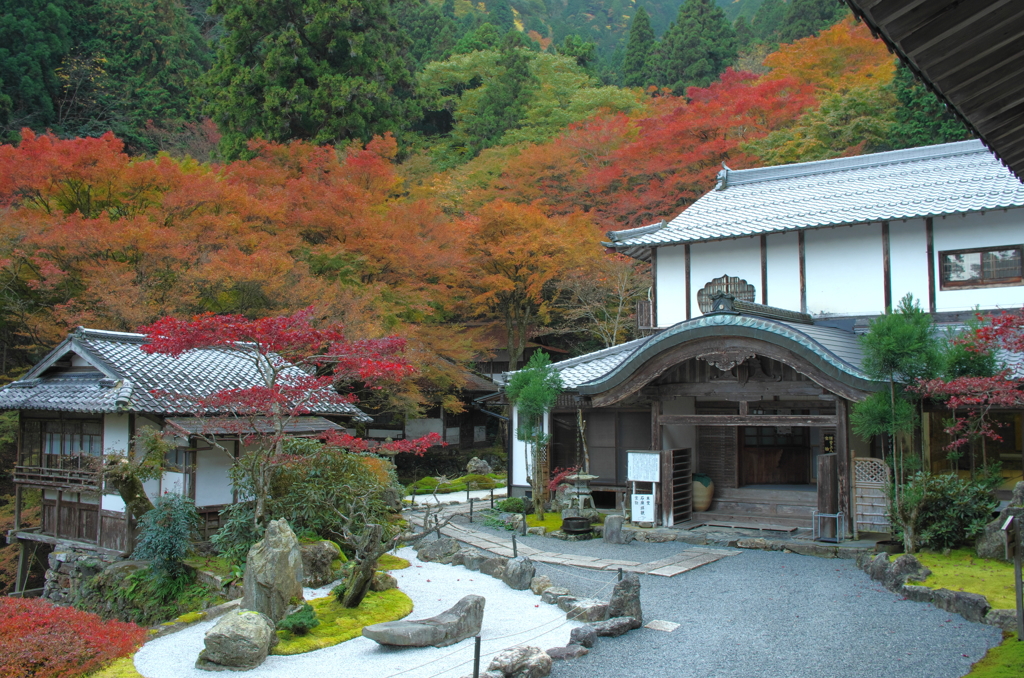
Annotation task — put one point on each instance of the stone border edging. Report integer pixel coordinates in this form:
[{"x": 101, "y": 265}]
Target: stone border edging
[
  {"x": 896, "y": 574},
  {"x": 167, "y": 628}
]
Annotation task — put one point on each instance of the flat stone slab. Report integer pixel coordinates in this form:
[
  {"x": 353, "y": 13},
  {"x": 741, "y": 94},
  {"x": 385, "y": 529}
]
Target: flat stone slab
[
  {"x": 459, "y": 622},
  {"x": 661, "y": 625}
]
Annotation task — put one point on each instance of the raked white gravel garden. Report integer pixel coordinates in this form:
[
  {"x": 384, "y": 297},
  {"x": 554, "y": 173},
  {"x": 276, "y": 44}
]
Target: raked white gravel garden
[{"x": 510, "y": 618}]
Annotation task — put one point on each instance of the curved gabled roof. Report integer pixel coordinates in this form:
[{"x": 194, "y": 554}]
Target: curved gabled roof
[{"x": 834, "y": 351}]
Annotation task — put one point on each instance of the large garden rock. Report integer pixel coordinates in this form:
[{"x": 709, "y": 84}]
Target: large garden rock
[
  {"x": 613, "y": 530},
  {"x": 971, "y": 606},
  {"x": 494, "y": 567},
  {"x": 551, "y": 594},
  {"x": 522, "y": 662},
  {"x": 588, "y": 610},
  {"x": 472, "y": 560},
  {"x": 518, "y": 573},
  {"x": 451, "y": 626},
  {"x": 240, "y": 641},
  {"x": 273, "y": 573},
  {"x": 903, "y": 569},
  {"x": 625, "y": 601},
  {"x": 478, "y": 467},
  {"x": 991, "y": 543},
  {"x": 316, "y": 563},
  {"x": 567, "y": 652},
  {"x": 583, "y": 635},
  {"x": 437, "y": 550},
  {"x": 616, "y": 626},
  {"x": 1004, "y": 619},
  {"x": 538, "y": 585}
]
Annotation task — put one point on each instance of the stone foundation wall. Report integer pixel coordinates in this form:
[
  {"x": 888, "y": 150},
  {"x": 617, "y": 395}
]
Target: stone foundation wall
[{"x": 69, "y": 566}]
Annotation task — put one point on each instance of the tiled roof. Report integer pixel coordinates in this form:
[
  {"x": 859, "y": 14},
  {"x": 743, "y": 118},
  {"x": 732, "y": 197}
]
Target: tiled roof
[
  {"x": 918, "y": 182},
  {"x": 219, "y": 426},
  {"x": 839, "y": 349},
  {"x": 127, "y": 379}
]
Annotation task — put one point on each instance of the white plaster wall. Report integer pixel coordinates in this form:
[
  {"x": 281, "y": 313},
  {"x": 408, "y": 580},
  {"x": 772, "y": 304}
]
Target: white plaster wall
[
  {"x": 116, "y": 436},
  {"x": 990, "y": 229},
  {"x": 113, "y": 502},
  {"x": 908, "y": 260},
  {"x": 213, "y": 484},
  {"x": 783, "y": 264},
  {"x": 152, "y": 487},
  {"x": 671, "y": 286},
  {"x": 844, "y": 270},
  {"x": 710, "y": 260},
  {"x": 173, "y": 483},
  {"x": 518, "y": 457}
]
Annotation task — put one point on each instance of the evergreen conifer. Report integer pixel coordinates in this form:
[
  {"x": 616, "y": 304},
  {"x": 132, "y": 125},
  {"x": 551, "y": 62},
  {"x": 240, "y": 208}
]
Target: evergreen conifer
[
  {"x": 635, "y": 71},
  {"x": 805, "y": 18},
  {"x": 768, "y": 21},
  {"x": 431, "y": 33},
  {"x": 499, "y": 13},
  {"x": 744, "y": 33},
  {"x": 921, "y": 117},
  {"x": 504, "y": 102},
  {"x": 696, "y": 48}
]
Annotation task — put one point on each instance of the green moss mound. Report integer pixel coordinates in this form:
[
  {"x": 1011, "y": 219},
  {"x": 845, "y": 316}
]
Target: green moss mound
[
  {"x": 431, "y": 485},
  {"x": 338, "y": 624},
  {"x": 549, "y": 521},
  {"x": 217, "y": 565},
  {"x": 1002, "y": 661},
  {"x": 963, "y": 570},
  {"x": 390, "y": 562},
  {"x": 120, "y": 668}
]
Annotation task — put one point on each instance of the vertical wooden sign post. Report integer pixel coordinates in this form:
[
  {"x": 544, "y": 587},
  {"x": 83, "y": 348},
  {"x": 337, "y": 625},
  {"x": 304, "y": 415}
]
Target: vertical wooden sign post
[
  {"x": 1013, "y": 534},
  {"x": 643, "y": 466}
]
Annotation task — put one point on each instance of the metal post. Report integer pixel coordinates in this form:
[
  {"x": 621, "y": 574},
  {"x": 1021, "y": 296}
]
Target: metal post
[
  {"x": 476, "y": 658},
  {"x": 467, "y": 493},
  {"x": 620, "y": 574},
  {"x": 1018, "y": 585},
  {"x": 515, "y": 548},
  {"x": 492, "y": 497},
  {"x": 524, "y": 520},
  {"x": 471, "y": 510}
]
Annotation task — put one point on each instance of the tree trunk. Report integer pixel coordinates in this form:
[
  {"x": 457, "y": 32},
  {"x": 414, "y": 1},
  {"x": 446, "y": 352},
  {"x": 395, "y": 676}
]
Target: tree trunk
[
  {"x": 366, "y": 564},
  {"x": 133, "y": 494}
]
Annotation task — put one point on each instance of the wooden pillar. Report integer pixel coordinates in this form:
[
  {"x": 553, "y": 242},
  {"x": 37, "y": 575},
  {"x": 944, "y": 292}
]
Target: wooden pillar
[
  {"x": 17, "y": 507},
  {"x": 58, "y": 523},
  {"x": 764, "y": 270},
  {"x": 686, "y": 268},
  {"x": 21, "y": 577},
  {"x": 930, "y": 237},
  {"x": 803, "y": 271},
  {"x": 843, "y": 458},
  {"x": 886, "y": 268}
]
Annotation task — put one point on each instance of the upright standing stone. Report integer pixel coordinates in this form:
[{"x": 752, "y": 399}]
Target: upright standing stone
[
  {"x": 625, "y": 601},
  {"x": 518, "y": 573},
  {"x": 273, "y": 573},
  {"x": 613, "y": 530}
]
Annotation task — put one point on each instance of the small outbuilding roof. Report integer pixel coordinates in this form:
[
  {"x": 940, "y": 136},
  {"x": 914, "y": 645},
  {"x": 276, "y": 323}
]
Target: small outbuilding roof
[
  {"x": 116, "y": 375},
  {"x": 931, "y": 181}
]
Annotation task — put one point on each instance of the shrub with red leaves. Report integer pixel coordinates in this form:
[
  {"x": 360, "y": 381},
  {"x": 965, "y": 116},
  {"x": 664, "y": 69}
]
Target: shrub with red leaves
[{"x": 42, "y": 640}]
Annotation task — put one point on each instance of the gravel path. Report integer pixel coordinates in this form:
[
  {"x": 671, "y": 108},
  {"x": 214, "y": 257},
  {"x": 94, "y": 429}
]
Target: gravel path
[
  {"x": 776, "y": 615},
  {"x": 510, "y": 618}
]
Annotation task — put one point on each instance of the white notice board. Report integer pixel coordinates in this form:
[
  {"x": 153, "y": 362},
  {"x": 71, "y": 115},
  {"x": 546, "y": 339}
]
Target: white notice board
[
  {"x": 643, "y": 508},
  {"x": 643, "y": 467}
]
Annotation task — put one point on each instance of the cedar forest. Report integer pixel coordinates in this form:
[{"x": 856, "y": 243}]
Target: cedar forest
[{"x": 422, "y": 168}]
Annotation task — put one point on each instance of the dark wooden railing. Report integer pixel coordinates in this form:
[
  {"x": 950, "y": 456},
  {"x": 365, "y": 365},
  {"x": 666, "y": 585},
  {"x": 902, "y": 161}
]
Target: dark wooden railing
[{"x": 63, "y": 478}]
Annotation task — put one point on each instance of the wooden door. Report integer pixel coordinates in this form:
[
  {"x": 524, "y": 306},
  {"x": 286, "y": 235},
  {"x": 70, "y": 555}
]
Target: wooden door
[{"x": 770, "y": 456}]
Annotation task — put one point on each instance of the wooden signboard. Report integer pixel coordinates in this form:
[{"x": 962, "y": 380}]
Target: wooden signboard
[
  {"x": 643, "y": 467},
  {"x": 643, "y": 508}
]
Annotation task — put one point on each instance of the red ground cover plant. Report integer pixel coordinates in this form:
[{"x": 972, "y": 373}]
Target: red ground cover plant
[{"x": 43, "y": 640}]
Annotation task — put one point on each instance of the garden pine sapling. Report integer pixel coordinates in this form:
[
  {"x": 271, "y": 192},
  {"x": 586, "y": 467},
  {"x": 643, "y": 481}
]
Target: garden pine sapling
[{"x": 534, "y": 391}]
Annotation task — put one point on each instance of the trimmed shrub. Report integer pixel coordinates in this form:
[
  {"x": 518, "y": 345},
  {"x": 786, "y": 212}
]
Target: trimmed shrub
[
  {"x": 166, "y": 535},
  {"x": 511, "y": 505},
  {"x": 300, "y": 623},
  {"x": 41, "y": 640}
]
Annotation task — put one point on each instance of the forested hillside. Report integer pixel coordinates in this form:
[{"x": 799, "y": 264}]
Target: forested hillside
[{"x": 406, "y": 167}]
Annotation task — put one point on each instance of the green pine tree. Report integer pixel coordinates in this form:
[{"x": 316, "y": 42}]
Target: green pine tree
[
  {"x": 768, "y": 21},
  {"x": 499, "y": 13},
  {"x": 635, "y": 72},
  {"x": 744, "y": 33},
  {"x": 485, "y": 36},
  {"x": 921, "y": 117},
  {"x": 696, "y": 48},
  {"x": 431, "y": 33},
  {"x": 805, "y": 18},
  {"x": 448, "y": 8},
  {"x": 577, "y": 48},
  {"x": 321, "y": 70},
  {"x": 505, "y": 100}
]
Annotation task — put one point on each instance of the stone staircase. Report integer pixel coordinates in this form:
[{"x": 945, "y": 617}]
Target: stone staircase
[{"x": 760, "y": 508}]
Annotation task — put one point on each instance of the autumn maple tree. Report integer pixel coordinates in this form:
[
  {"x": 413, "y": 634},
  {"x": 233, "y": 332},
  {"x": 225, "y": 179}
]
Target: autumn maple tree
[
  {"x": 973, "y": 399},
  {"x": 298, "y": 368}
]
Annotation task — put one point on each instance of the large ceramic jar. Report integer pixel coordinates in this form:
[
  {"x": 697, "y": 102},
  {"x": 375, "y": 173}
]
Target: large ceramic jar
[{"x": 702, "y": 494}]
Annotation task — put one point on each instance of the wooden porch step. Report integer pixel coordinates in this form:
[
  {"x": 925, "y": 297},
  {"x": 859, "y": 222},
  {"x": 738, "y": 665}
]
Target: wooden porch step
[{"x": 764, "y": 522}]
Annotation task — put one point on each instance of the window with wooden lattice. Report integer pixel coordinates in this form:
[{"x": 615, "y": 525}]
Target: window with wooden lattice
[{"x": 726, "y": 284}]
